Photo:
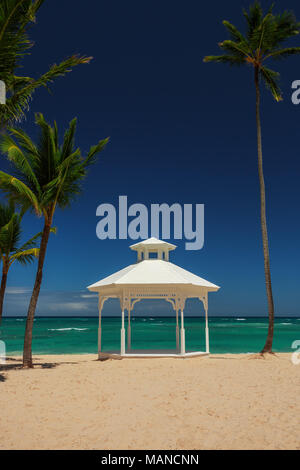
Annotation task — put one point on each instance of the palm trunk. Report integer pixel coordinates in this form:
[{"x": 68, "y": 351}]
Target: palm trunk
[
  {"x": 2, "y": 289},
  {"x": 27, "y": 352},
  {"x": 269, "y": 341}
]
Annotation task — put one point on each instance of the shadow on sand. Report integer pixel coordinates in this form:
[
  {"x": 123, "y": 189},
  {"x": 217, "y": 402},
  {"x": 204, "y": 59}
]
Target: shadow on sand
[{"x": 15, "y": 364}]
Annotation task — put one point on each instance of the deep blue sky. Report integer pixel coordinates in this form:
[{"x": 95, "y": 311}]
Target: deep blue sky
[{"x": 181, "y": 131}]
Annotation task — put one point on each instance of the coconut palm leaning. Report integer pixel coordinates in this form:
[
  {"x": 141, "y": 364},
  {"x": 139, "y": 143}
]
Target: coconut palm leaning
[
  {"x": 10, "y": 249},
  {"x": 48, "y": 175},
  {"x": 261, "y": 43},
  {"x": 16, "y": 18}
]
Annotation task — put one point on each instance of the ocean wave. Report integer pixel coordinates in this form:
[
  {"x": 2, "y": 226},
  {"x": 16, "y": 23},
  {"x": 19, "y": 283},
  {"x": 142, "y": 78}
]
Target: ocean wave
[
  {"x": 219, "y": 325},
  {"x": 67, "y": 329},
  {"x": 240, "y": 319},
  {"x": 285, "y": 323}
]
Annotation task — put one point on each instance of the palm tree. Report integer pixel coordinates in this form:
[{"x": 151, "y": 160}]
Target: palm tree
[
  {"x": 16, "y": 18},
  {"x": 48, "y": 175},
  {"x": 262, "y": 42},
  {"x": 10, "y": 251}
]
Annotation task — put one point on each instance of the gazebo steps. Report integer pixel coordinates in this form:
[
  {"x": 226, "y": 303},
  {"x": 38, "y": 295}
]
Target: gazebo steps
[{"x": 145, "y": 354}]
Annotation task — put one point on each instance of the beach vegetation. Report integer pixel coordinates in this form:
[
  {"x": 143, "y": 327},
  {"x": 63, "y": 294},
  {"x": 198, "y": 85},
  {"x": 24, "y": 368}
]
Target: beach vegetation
[
  {"x": 11, "y": 250},
  {"x": 16, "y": 20},
  {"x": 48, "y": 175},
  {"x": 262, "y": 42}
]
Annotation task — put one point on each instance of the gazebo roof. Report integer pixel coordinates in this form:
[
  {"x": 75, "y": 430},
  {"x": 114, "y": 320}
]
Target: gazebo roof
[{"x": 153, "y": 272}]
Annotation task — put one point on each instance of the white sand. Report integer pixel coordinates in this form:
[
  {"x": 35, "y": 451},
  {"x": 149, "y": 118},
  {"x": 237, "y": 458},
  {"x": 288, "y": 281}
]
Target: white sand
[{"x": 216, "y": 402}]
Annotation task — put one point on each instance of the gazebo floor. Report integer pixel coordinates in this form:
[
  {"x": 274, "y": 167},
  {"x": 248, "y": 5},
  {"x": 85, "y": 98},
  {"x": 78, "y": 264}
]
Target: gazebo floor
[{"x": 135, "y": 354}]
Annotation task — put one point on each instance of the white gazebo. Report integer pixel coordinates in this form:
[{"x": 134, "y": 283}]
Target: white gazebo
[{"x": 153, "y": 276}]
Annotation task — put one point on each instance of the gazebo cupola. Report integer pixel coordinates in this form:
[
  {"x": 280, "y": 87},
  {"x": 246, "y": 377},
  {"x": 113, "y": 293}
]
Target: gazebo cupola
[{"x": 152, "y": 249}]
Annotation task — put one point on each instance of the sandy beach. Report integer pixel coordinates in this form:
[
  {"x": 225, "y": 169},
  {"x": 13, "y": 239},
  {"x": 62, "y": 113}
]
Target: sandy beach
[{"x": 216, "y": 402}]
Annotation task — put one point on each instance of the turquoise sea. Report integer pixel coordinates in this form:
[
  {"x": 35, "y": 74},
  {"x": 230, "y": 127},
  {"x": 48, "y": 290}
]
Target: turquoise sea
[{"x": 67, "y": 335}]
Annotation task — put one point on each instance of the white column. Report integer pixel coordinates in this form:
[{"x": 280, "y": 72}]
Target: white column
[
  {"x": 123, "y": 333},
  {"x": 206, "y": 328},
  {"x": 182, "y": 333},
  {"x": 129, "y": 331},
  {"x": 177, "y": 331},
  {"x": 99, "y": 326}
]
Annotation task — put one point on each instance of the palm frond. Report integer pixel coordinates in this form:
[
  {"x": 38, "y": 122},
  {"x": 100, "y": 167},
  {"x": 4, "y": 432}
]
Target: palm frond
[
  {"x": 68, "y": 140},
  {"x": 24, "y": 140},
  {"x": 253, "y": 18},
  {"x": 46, "y": 149},
  {"x": 55, "y": 134},
  {"x": 10, "y": 235},
  {"x": 31, "y": 243},
  {"x": 271, "y": 79},
  {"x": 235, "y": 34},
  {"x": 240, "y": 50},
  {"x": 25, "y": 257},
  {"x": 6, "y": 213},
  {"x": 287, "y": 27},
  {"x": 18, "y": 103},
  {"x": 58, "y": 170},
  {"x": 283, "y": 53},
  {"x": 225, "y": 59},
  {"x": 94, "y": 150},
  {"x": 16, "y": 155},
  {"x": 18, "y": 191},
  {"x": 67, "y": 162},
  {"x": 262, "y": 37},
  {"x": 16, "y": 18}
]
